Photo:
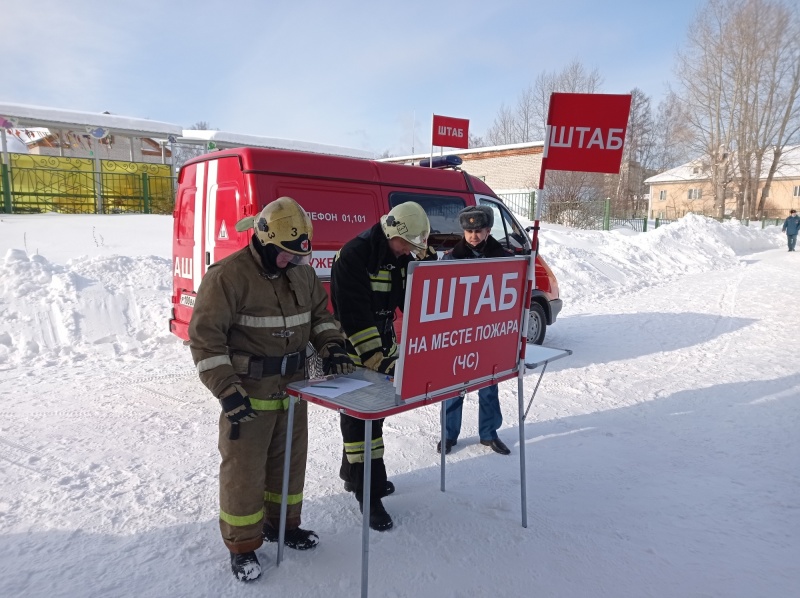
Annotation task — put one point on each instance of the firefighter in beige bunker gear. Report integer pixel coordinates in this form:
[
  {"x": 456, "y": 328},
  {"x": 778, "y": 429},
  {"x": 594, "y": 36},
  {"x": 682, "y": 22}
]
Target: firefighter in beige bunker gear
[
  {"x": 254, "y": 315},
  {"x": 367, "y": 285}
]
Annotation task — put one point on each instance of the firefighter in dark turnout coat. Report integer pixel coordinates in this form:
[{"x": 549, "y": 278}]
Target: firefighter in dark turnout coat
[
  {"x": 367, "y": 285},
  {"x": 255, "y": 312}
]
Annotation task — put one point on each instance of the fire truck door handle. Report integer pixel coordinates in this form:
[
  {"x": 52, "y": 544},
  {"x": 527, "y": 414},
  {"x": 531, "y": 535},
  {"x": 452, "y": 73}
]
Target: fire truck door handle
[{"x": 208, "y": 258}]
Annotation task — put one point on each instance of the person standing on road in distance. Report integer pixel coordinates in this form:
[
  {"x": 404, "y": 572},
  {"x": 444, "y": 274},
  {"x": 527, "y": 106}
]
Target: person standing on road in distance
[
  {"x": 255, "y": 313},
  {"x": 368, "y": 283},
  {"x": 477, "y": 242},
  {"x": 791, "y": 226}
]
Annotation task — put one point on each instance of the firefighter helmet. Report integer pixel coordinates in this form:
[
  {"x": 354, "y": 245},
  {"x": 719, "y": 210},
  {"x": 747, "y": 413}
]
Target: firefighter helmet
[
  {"x": 410, "y": 222},
  {"x": 286, "y": 225}
]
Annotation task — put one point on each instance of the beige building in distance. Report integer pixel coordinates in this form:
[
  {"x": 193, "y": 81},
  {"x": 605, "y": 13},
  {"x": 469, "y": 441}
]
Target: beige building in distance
[{"x": 687, "y": 188}]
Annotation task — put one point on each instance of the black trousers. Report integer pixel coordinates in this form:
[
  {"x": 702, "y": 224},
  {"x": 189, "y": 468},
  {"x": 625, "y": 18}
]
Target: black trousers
[{"x": 352, "y": 469}]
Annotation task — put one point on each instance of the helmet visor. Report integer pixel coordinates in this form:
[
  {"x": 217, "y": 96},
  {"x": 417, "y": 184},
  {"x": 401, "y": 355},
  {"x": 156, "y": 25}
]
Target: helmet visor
[{"x": 284, "y": 259}]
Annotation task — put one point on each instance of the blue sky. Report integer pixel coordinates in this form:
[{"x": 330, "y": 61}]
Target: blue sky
[{"x": 356, "y": 74}]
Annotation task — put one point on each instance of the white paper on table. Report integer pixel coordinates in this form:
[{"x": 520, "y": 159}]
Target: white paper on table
[{"x": 333, "y": 388}]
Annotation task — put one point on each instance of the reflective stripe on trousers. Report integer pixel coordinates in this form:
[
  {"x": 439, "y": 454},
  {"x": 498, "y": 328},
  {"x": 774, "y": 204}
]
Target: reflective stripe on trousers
[
  {"x": 355, "y": 450},
  {"x": 251, "y": 475}
]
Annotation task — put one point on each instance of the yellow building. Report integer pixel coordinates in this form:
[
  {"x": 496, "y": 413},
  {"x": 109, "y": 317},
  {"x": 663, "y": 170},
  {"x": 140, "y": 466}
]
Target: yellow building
[{"x": 687, "y": 188}]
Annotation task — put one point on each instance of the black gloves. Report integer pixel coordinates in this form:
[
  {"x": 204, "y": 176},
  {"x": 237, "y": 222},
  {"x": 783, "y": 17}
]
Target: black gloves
[
  {"x": 335, "y": 360},
  {"x": 236, "y": 405},
  {"x": 378, "y": 362},
  {"x": 430, "y": 255},
  {"x": 386, "y": 366}
]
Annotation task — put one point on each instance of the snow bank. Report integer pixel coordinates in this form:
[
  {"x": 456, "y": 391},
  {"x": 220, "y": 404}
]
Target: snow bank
[
  {"x": 101, "y": 301},
  {"x": 592, "y": 264}
]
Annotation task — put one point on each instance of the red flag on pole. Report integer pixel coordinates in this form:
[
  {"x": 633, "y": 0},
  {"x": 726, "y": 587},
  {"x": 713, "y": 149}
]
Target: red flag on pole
[
  {"x": 585, "y": 132},
  {"x": 450, "y": 132}
]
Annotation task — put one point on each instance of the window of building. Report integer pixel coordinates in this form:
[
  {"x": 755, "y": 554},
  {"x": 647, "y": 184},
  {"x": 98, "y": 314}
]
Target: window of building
[
  {"x": 695, "y": 194},
  {"x": 662, "y": 195},
  {"x": 796, "y": 191}
]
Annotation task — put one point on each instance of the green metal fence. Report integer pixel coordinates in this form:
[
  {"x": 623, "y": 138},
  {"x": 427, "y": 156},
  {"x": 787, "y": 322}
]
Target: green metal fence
[
  {"x": 590, "y": 215},
  {"x": 522, "y": 204},
  {"x": 34, "y": 190},
  {"x": 5, "y": 188}
]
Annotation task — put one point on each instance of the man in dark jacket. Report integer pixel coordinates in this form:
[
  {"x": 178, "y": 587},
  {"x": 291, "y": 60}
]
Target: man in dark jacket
[
  {"x": 791, "y": 226},
  {"x": 477, "y": 242},
  {"x": 255, "y": 312},
  {"x": 368, "y": 283}
]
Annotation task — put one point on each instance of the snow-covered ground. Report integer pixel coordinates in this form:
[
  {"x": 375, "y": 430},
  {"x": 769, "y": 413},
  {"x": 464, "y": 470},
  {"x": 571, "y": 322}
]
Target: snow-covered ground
[{"x": 662, "y": 456}]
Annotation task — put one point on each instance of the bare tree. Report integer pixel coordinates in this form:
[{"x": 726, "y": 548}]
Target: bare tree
[
  {"x": 503, "y": 129},
  {"x": 566, "y": 188},
  {"x": 627, "y": 189},
  {"x": 525, "y": 122},
  {"x": 770, "y": 97},
  {"x": 202, "y": 125},
  {"x": 740, "y": 80},
  {"x": 187, "y": 151},
  {"x": 476, "y": 140},
  {"x": 672, "y": 134}
]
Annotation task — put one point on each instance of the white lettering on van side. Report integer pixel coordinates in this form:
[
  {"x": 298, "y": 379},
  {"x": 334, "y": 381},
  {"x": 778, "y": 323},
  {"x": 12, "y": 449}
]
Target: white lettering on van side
[
  {"x": 319, "y": 263},
  {"x": 183, "y": 267},
  {"x": 326, "y": 216}
]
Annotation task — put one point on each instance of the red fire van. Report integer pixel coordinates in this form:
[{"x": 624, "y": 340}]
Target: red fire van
[{"x": 343, "y": 196}]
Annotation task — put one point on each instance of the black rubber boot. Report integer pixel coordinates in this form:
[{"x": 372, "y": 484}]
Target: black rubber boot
[
  {"x": 297, "y": 538},
  {"x": 448, "y": 446},
  {"x": 245, "y": 566},
  {"x": 379, "y": 519},
  {"x": 349, "y": 487}
]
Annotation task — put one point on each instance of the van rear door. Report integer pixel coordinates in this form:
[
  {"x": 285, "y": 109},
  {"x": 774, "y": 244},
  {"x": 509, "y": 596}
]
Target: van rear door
[
  {"x": 227, "y": 202},
  {"x": 211, "y": 199}
]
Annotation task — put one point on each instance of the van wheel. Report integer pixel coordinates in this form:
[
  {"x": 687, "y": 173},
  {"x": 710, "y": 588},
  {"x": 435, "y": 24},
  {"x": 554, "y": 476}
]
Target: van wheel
[{"x": 537, "y": 324}]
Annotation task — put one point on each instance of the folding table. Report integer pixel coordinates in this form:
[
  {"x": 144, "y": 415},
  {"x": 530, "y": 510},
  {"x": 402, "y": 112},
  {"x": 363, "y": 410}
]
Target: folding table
[{"x": 368, "y": 396}]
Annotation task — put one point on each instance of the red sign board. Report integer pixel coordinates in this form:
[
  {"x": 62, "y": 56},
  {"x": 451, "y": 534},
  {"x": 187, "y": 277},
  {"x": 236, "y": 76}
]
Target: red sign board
[
  {"x": 586, "y": 132},
  {"x": 464, "y": 326},
  {"x": 450, "y": 132}
]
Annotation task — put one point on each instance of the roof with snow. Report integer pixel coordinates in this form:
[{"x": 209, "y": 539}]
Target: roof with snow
[
  {"x": 224, "y": 139},
  {"x": 39, "y": 118},
  {"x": 698, "y": 170},
  {"x": 24, "y": 116}
]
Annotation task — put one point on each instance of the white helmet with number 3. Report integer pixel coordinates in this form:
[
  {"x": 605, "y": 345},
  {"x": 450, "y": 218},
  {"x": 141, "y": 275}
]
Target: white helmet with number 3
[{"x": 286, "y": 225}]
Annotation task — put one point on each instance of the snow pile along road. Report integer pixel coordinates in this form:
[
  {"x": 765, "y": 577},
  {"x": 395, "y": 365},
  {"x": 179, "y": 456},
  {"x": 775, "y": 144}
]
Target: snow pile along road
[
  {"x": 591, "y": 264},
  {"x": 113, "y": 304}
]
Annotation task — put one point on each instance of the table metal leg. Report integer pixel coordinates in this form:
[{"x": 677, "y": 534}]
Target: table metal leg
[
  {"x": 285, "y": 486},
  {"x": 443, "y": 442},
  {"x": 522, "y": 469},
  {"x": 366, "y": 495}
]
